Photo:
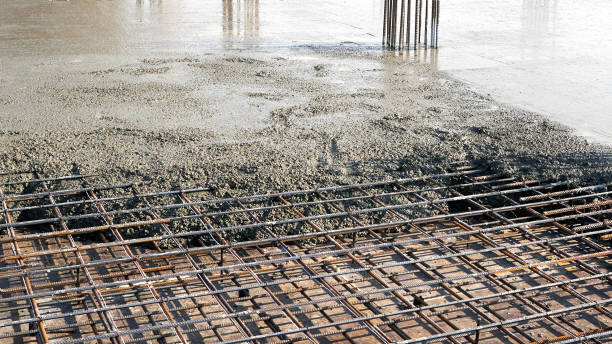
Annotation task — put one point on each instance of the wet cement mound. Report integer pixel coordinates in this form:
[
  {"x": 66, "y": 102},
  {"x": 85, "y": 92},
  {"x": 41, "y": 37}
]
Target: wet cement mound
[{"x": 367, "y": 118}]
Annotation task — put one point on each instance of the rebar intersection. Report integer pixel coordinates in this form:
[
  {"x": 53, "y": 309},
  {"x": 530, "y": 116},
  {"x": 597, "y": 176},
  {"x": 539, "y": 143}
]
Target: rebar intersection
[{"x": 458, "y": 257}]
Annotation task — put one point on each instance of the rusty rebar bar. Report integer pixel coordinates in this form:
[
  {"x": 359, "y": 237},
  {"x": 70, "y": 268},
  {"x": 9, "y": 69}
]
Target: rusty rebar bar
[{"x": 362, "y": 252}]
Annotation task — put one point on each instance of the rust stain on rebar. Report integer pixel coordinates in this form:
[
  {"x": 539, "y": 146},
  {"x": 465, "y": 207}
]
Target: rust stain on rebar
[{"x": 462, "y": 256}]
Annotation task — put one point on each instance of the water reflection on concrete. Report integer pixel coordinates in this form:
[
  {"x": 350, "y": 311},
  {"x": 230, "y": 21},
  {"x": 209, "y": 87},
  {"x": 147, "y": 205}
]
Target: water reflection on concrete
[
  {"x": 240, "y": 22},
  {"x": 34, "y": 27},
  {"x": 539, "y": 16}
]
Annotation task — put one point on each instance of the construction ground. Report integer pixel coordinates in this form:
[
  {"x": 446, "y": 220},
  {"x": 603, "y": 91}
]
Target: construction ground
[{"x": 460, "y": 257}]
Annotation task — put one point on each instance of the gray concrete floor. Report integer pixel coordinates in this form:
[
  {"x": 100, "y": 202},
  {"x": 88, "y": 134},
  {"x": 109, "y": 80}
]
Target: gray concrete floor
[{"x": 550, "y": 56}]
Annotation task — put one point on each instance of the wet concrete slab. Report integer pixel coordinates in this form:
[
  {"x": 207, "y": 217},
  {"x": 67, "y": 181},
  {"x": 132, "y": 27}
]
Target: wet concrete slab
[{"x": 550, "y": 56}]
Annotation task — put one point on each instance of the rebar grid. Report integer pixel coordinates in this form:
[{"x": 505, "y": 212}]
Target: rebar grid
[{"x": 458, "y": 257}]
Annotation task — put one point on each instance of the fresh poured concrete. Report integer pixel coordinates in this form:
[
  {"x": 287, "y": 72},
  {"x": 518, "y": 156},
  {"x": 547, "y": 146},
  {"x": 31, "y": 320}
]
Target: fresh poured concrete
[
  {"x": 265, "y": 95},
  {"x": 549, "y": 56}
]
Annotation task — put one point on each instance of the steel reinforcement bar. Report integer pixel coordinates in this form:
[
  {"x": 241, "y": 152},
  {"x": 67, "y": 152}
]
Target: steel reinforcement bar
[{"x": 462, "y": 256}]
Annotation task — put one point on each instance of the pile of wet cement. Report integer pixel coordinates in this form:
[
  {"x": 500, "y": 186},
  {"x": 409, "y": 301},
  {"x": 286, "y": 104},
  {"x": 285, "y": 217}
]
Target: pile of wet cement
[{"x": 334, "y": 118}]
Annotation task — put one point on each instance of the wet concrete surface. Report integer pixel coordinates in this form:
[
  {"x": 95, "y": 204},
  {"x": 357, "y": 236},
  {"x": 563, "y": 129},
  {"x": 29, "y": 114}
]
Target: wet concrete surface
[
  {"x": 253, "y": 96},
  {"x": 549, "y": 56},
  {"x": 145, "y": 26}
]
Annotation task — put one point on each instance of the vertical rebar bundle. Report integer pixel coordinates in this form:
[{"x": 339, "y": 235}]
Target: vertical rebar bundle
[{"x": 417, "y": 22}]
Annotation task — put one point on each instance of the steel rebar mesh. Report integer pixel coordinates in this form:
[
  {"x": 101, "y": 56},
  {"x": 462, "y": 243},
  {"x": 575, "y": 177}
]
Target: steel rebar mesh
[{"x": 458, "y": 257}]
